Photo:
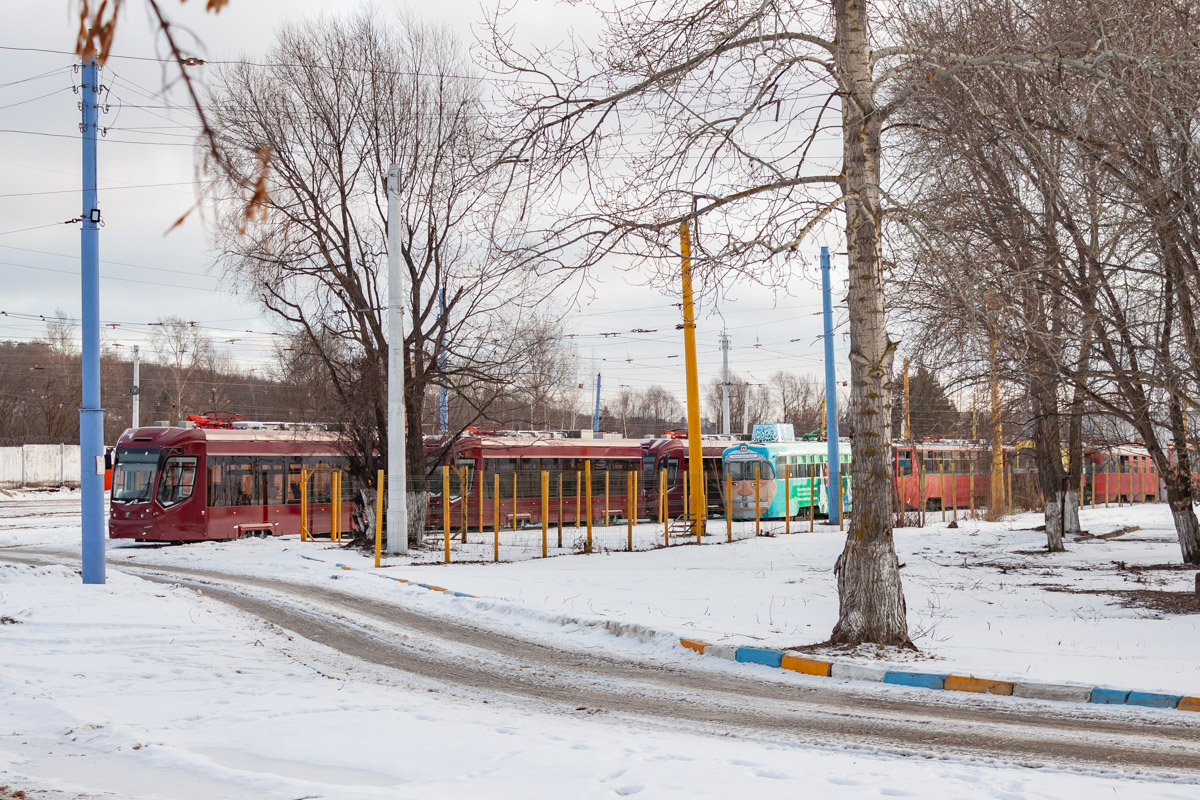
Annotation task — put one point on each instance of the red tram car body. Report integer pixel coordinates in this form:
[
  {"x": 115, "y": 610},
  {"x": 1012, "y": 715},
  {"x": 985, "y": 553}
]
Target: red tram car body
[
  {"x": 193, "y": 484},
  {"x": 941, "y": 474},
  {"x": 1123, "y": 474},
  {"x": 672, "y": 454},
  {"x": 519, "y": 461}
]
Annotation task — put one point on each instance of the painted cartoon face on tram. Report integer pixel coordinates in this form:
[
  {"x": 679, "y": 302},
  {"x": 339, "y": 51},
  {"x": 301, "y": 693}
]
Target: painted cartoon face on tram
[{"x": 742, "y": 475}]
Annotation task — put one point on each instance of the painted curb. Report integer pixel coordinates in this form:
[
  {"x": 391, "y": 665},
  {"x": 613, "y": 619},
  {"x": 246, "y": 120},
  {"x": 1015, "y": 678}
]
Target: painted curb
[
  {"x": 430, "y": 587},
  {"x": 1032, "y": 690}
]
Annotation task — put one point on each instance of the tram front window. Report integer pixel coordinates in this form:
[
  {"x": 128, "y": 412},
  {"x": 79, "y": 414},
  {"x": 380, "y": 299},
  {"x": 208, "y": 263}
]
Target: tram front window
[{"x": 133, "y": 477}]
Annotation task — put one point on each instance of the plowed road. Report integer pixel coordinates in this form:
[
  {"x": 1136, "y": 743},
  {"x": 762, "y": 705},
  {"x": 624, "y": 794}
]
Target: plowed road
[{"x": 501, "y": 667}]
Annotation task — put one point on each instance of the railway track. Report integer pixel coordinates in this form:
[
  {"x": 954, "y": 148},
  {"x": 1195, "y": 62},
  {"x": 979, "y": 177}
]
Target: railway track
[{"x": 500, "y": 667}]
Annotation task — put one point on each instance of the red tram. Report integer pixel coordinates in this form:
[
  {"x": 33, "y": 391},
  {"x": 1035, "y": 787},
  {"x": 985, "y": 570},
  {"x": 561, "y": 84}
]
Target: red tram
[
  {"x": 1124, "y": 474},
  {"x": 192, "y": 484},
  {"x": 519, "y": 462},
  {"x": 671, "y": 454}
]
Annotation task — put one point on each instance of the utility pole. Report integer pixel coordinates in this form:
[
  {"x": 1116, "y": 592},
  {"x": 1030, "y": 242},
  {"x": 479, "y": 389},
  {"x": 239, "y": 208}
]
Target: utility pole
[
  {"x": 444, "y": 392},
  {"x": 91, "y": 415},
  {"x": 746, "y": 408},
  {"x": 907, "y": 406},
  {"x": 397, "y": 479},
  {"x": 695, "y": 513},
  {"x": 974, "y": 418},
  {"x": 831, "y": 424},
  {"x": 724, "y": 339},
  {"x": 136, "y": 391},
  {"x": 596, "y": 413}
]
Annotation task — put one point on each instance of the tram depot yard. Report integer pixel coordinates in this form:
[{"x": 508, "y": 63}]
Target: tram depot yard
[{"x": 144, "y": 689}]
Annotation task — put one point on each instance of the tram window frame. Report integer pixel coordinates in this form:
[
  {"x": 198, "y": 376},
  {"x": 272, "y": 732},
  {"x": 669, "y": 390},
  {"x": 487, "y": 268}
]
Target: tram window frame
[
  {"x": 183, "y": 488},
  {"x": 273, "y": 474}
]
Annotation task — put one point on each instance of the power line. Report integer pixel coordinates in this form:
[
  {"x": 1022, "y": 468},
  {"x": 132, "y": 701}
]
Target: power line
[{"x": 106, "y": 189}]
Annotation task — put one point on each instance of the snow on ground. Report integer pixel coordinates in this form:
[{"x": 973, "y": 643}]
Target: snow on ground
[
  {"x": 140, "y": 690},
  {"x": 983, "y": 598}
]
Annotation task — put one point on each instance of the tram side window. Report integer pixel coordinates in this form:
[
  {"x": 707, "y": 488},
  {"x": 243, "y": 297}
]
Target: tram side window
[
  {"x": 273, "y": 479},
  {"x": 293, "y": 480},
  {"x": 177, "y": 481},
  {"x": 231, "y": 481}
]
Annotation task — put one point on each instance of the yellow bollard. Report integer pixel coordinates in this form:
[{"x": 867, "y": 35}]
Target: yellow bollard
[
  {"x": 728, "y": 507},
  {"x": 545, "y": 508},
  {"x": 756, "y": 509},
  {"x": 446, "y": 510},
  {"x": 787, "y": 498},
  {"x": 587, "y": 471},
  {"x": 496, "y": 517},
  {"x": 631, "y": 491},
  {"x": 378, "y": 514}
]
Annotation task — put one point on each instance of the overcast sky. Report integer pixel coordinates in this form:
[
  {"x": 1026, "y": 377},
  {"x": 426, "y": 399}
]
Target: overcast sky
[{"x": 147, "y": 173}]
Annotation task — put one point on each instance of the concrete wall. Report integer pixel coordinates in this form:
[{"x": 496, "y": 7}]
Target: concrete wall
[{"x": 39, "y": 465}]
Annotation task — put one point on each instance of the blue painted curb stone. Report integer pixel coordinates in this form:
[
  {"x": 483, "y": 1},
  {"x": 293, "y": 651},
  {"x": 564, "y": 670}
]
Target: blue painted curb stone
[
  {"x": 1109, "y": 696},
  {"x": 760, "y": 655},
  {"x": 1152, "y": 700},
  {"x": 922, "y": 679}
]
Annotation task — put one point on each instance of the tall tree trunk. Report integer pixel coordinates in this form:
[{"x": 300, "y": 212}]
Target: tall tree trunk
[
  {"x": 871, "y": 597},
  {"x": 1179, "y": 487},
  {"x": 1043, "y": 390}
]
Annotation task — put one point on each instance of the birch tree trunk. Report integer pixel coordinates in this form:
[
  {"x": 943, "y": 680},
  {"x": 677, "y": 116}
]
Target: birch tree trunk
[{"x": 872, "y": 607}]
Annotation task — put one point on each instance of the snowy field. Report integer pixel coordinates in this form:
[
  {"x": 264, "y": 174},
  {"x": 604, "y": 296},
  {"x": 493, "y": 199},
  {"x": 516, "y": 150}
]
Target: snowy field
[
  {"x": 140, "y": 690},
  {"x": 983, "y": 598}
]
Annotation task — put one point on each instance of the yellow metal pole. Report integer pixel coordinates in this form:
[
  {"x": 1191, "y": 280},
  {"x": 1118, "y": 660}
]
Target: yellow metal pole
[
  {"x": 953, "y": 492},
  {"x": 787, "y": 498},
  {"x": 545, "y": 509},
  {"x": 663, "y": 516},
  {"x": 997, "y": 432},
  {"x": 560, "y": 511},
  {"x": 756, "y": 510},
  {"x": 606, "y": 498},
  {"x": 972, "y": 489},
  {"x": 812, "y": 495},
  {"x": 481, "y": 527},
  {"x": 335, "y": 523},
  {"x": 578, "y": 494},
  {"x": 630, "y": 488},
  {"x": 378, "y": 514},
  {"x": 842, "y": 475},
  {"x": 1093, "y": 487},
  {"x": 303, "y": 504},
  {"x": 587, "y": 471},
  {"x": 465, "y": 500},
  {"x": 942, "y": 487},
  {"x": 728, "y": 507},
  {"x": 446, "y": 510},
  {"x": 496, "y": 517},
  {"x": 703, "y": 505},
  {"x": 1009, "y": 493},
  {"x": 514, "y": 514},
  {"x": 695, "y": 449}
]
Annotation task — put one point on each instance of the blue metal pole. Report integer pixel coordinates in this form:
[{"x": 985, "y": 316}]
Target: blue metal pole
[
  {"x": 831, "y": 425},
  {"x": 444, "y": 404},
  {"x": 91, "y": 415},
  {"x": 596, "y": 413}
]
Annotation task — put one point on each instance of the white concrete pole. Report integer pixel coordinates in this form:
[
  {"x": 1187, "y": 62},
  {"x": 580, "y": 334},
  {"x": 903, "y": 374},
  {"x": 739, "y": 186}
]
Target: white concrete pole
[
  {"x": 397, "y": 479},
  {"x": 136, "y": 390},
  {"x": 725, "y": 383}
]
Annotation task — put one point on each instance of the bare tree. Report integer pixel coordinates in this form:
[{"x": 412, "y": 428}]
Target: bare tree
[
  {"x": 340, "y": 102},
  {"x": 187, "y": 353}
]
